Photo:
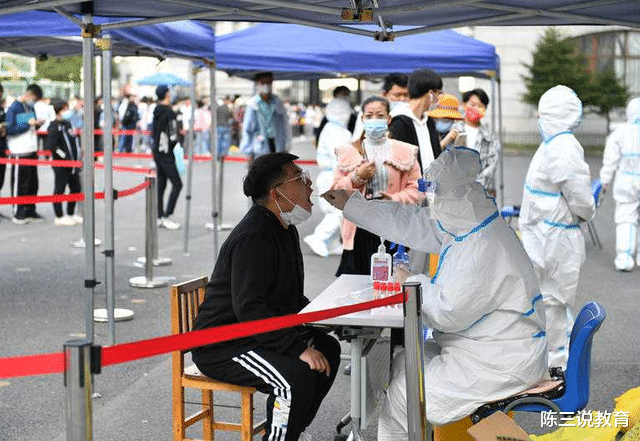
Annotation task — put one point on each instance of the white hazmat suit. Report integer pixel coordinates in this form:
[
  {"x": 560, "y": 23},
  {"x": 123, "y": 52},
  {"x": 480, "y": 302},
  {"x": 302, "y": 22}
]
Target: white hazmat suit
[
  {"x": 622, "y": 157},
  {"x": 557, "y": 196},
  {"x": 325, "y": 239},
  {"x": 483, "y": 304}
]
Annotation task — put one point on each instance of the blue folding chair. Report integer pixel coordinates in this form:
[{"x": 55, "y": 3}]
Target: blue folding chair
[
  {"x": 596, "y": 189},
  {"x": 568, "y": 391}
]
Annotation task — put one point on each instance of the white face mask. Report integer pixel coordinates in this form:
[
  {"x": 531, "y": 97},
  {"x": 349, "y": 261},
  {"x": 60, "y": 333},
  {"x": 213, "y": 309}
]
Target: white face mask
[
  {"x": 295, "y": 216},
  {"x": 396, "y": 105},
  {"x": 263, "y": 88}
]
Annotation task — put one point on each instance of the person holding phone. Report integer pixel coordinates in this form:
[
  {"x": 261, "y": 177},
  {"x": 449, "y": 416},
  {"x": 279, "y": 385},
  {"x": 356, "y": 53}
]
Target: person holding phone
[
  {"x": 480, "y": 137},
  {"x": 379, "y": 168}
]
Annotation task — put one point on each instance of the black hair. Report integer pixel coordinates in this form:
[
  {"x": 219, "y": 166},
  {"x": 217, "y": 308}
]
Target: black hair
[
  {"x": 376, "y": 98},
  {"x": 340, "y": 89},
  {"x": 260, "y": 75},
  {"x": 264, "y": 172},
  {"x": 58, "y": 104},
  {"x": 421, "y": 81},
  {"x": 481, "y": 94},
  {"x": 36, "y": 90},
  {"x": 394, "y": 79},
  {"x": 1, "y": 89}
]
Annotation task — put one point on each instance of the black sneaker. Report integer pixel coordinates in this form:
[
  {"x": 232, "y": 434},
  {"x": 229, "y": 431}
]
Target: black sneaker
[{"x": 35, "y": 218}]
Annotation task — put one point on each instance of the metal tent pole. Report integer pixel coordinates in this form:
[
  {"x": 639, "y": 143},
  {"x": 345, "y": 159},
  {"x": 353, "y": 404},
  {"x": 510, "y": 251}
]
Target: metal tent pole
[
  {"x": 77, "y": 382},
  {"x": 501, "y": 187},
  {"x": 88, "y": 174},
  {"x": 191, "y": 145},
  {"x": 213, "y": 137},
  {"x": 110, "y": 273},
  {"x": 419, "y": 429}
]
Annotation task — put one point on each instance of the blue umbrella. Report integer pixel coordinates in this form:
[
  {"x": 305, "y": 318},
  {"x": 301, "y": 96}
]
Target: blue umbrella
[{"x": 163, "y": 78}]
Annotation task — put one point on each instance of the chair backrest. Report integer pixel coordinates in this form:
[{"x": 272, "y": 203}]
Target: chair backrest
[
  {"x": 185, "y": 299},
  {"x": 596, "y": 188},
  {"x": 577, "y": 374}
]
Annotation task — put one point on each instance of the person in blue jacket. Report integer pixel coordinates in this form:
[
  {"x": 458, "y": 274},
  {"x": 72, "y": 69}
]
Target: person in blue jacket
[
  {"x": 265, "y": 128},
  {"x": 22, "y": 142}
]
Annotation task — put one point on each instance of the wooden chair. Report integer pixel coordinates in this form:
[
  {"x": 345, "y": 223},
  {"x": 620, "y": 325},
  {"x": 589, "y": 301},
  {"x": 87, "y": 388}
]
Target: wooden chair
[{"x": 185, "y": 299}]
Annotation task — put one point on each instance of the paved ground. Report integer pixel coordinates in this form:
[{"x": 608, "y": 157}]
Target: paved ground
[{"x": 42, "y": 305}]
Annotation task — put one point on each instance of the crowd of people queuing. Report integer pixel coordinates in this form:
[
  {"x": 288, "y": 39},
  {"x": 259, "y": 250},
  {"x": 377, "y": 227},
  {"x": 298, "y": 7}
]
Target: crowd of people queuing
[{"x": 370, "y": 161}]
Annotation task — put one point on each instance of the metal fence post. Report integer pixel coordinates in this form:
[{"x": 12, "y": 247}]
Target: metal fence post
[
  {"x": 77, "y": 382},
  {"x": 148, "y": 281},
  {"x": 157, "y": 261},
  {"x": 419, "y": 428}
]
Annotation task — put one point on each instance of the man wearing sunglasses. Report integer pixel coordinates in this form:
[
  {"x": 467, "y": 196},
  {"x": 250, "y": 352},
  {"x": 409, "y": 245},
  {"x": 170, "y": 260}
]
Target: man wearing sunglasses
[{"x": 259, "y": 274}]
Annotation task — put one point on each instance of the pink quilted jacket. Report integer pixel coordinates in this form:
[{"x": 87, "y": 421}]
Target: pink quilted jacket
[{"x": 403, "y": 169}]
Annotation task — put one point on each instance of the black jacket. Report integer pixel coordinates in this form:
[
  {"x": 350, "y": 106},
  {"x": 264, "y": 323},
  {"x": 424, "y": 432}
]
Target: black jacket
[
  {"x": 165, "y": 130},
  {"x": 402, "y": 129},
  {"x": 62, "y": 141},
  {"x": 259, "y": 274}
]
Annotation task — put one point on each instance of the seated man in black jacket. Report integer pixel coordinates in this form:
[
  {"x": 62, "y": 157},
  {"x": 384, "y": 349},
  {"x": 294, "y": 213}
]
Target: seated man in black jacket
[
  {"x": 259, "y": 274},
  {"x": 410, "y": 122}
]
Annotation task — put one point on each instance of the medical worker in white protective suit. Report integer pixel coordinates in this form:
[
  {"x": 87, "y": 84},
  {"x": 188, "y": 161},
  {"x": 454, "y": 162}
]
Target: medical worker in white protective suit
[
  {"x": 556, "y": 198},
  {"x": 325, "y": 239},
  {"x": 622, "y": 157},
  {"x": 483, "y": 304}
]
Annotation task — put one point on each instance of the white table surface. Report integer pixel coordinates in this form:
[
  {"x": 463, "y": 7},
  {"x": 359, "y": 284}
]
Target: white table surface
[{"x": 338, "y": 294}]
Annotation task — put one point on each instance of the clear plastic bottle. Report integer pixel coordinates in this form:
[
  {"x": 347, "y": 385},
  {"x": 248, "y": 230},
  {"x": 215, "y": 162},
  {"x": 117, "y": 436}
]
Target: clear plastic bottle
[{"x": 401, "y": 264}]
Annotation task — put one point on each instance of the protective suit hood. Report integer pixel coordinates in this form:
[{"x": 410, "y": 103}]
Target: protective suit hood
[
  {"x": 338, "y": 111},
  {"x": 460, "y": 202},
  {"x": 633, "y": 110},
  {"x": 559, "y": 110}
]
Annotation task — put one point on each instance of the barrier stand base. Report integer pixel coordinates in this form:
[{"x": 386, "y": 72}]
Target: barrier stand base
[
  {"x": 160, "y": 261},
  {"x": 222, "y": 227},
  {"x": 156, "y": 282},
  {"x": 119, "y": 315},
  {"x": 80, "y": 243}
]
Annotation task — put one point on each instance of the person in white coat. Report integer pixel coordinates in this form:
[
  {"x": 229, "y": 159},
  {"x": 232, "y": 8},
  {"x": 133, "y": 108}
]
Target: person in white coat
[
  {"x": 557, "y": 197},
  {"x": 483, "y": 304},
  {"x": 622, "y": 157},
  {"x": 325, "y": 239}
]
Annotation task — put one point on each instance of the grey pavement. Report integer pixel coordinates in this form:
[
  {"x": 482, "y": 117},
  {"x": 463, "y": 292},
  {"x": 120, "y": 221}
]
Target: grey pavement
[{"x": 42, "y": 305}]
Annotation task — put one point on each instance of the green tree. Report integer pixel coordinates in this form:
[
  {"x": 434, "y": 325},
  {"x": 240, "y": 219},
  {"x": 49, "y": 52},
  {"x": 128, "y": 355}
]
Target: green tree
[
  {"x": 59, "y": 69},
  {"x": 65, "y": 69},
  {"x": 557, "y": 61},
  {"x": 608, "y": 93}
]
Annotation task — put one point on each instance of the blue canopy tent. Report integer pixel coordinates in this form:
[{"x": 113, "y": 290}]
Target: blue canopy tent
[
  {"x": 37, "y": 33},
  {"x": 299, "y": 52}
]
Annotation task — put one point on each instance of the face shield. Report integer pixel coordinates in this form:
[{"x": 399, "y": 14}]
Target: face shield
[{"x": 453, "y": 196}]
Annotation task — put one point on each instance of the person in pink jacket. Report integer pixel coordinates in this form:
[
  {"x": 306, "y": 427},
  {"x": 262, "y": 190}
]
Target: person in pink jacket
[{"x": 380, "y": 168}]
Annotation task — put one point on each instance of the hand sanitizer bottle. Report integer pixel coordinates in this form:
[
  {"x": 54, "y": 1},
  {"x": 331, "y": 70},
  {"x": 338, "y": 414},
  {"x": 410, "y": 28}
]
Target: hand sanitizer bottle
[{"x": 381, "y": 264}]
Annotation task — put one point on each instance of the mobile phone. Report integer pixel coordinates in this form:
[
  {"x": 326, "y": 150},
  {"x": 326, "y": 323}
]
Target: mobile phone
[{"x": 461, "y": 140}]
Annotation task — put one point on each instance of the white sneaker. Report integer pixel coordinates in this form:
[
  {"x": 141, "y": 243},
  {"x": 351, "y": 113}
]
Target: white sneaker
[
  {"x": 317, "y": 246},
  {"x": 77, "y": 219},
  {"x": 64, "y": 221},
  {"x": 170, "y": 224}
]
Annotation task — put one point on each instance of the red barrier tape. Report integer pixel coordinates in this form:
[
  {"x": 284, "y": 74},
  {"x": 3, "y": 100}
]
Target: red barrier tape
[
  {"x": 73, "y": 197},
  {"x": 36, "y": 162},
  {"x": 53, "y": 363}
]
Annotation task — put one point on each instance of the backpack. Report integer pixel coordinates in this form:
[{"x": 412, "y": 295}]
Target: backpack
[{"x": 131, "y": 116}]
